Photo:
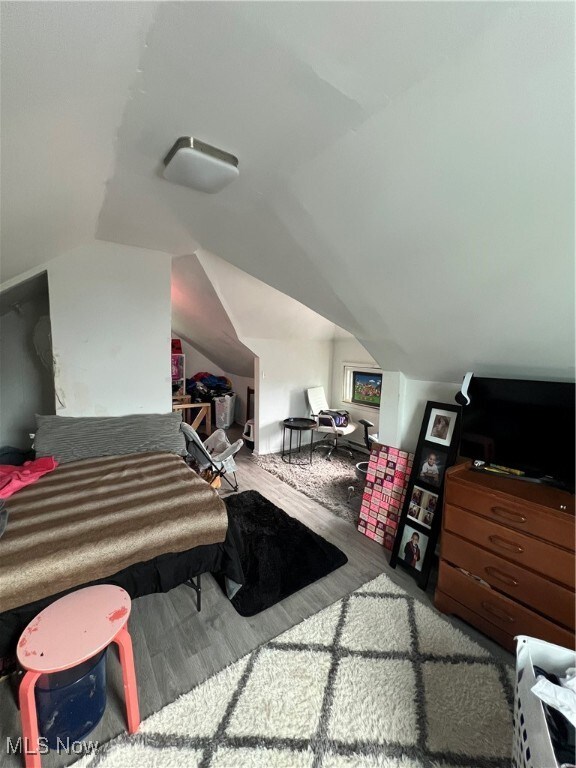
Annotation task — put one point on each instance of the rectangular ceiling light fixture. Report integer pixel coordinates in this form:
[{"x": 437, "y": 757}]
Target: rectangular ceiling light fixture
[{"x": 195, "y": 164}]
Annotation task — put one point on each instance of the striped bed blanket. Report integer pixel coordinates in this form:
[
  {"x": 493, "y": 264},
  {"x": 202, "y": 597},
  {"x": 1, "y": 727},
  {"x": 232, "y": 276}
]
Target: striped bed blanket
[{"x": 90, "y": 519}]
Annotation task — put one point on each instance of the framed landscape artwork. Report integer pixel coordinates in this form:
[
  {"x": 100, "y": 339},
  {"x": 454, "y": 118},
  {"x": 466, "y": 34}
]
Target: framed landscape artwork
[
  {"x": 366, "y": 388},
  {"x": 419, "y": 523}
]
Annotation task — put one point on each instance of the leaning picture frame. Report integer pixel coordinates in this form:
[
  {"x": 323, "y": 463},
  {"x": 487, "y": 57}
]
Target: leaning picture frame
[{"x": 420, "y": 519}]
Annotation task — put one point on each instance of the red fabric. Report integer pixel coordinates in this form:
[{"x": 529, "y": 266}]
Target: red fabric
[{"x": 14, "y": 478}]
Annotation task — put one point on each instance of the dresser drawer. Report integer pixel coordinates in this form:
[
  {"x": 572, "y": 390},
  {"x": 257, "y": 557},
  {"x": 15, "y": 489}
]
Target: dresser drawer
[
  {"x": 522, "y": 585},
  {"x": 550, "y": 561},
  {"x": 550, "y": 525},
  {"x": 499, "y": 610}
]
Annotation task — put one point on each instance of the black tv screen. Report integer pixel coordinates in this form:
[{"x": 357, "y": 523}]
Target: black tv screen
[{"x": 524, "y": 425}]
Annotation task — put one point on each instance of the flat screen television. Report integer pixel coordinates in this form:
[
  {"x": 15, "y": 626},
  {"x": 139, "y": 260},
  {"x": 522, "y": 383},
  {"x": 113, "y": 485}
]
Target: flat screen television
[{"x": 525, "y": 425}]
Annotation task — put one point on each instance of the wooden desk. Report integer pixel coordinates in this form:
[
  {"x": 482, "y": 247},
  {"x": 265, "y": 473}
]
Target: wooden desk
[{"x": 194, "y": 413}]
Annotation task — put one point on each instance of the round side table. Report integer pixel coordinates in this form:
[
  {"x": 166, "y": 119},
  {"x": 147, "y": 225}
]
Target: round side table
[
  {"x": 297, "y": 426},
  {"x": 67, "y": 633}
]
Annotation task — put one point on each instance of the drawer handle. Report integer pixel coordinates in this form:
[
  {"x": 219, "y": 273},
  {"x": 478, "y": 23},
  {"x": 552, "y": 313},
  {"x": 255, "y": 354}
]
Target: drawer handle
[
  {"x": 498, "y": 612},
  {"x": 505, "y": 544},
  {"x": 508, "y": 514},
  {"x": 501, "y": 576}
]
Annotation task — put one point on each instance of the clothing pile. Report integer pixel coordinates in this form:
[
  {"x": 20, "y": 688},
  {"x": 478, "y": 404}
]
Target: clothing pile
[
  {"x": 558, "y": 696},
  {"x": 204, "y": 387}
]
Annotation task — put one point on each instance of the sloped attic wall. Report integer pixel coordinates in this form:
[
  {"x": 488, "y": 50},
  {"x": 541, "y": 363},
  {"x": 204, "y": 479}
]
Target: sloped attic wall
[
  {"x": 239, "y": 322},
  {"x": 294, "y": 345},
  {"x": 66, "y": 72},
  {"x": 408, "y": 172},
  {"x": 297, "y": 348},
  {"x": 199, "y": 318}
]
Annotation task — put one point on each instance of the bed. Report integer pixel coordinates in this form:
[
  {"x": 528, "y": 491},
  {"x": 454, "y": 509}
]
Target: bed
[{"x": 142, "y": 520}]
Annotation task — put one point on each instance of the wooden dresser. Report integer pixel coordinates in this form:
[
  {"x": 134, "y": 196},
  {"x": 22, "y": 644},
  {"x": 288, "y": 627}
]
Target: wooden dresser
[{"x": 515, "y": 540}]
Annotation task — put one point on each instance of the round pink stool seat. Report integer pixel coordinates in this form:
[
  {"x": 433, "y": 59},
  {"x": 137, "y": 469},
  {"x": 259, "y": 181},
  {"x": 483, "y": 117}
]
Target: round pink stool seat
[
  {"x": 74, "y": 628},
  {"x": 67, "y": 633}
]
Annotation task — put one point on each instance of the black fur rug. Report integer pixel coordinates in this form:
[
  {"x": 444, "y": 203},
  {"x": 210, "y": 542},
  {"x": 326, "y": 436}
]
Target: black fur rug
[{"x": 279, "y": 554}]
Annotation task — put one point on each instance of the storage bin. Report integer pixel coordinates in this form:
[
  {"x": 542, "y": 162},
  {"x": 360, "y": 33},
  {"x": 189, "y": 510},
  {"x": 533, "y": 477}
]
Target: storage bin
[
  {"x": 224, "y": 407},
  {"x": 248, "y": 434},
  {"x": 531, "y": 745},
  {"x": 70, "y": 704}
]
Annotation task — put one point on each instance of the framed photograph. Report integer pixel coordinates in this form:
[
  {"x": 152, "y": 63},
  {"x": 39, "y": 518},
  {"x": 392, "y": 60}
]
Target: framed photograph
[
  {"x": 413, "y": 547},
  {"x": 440, "y": 426},
  {"x": 366, "y": 388},
  {"x": 420, "y": 519},
  {"x": 432, "y": 469},
  {"x": 422, "y": 506}
]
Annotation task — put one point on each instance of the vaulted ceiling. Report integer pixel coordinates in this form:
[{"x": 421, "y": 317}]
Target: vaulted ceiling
[{"x": 406, "y": 168}]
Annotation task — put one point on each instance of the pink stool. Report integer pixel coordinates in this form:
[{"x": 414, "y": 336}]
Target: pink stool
[{"x": 67, "y": 633}]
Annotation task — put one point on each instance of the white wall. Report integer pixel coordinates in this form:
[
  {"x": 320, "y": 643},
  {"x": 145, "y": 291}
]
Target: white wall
[
  {"x": 196, "y": 362},
  {"x": 391, "y": 408},
  {"x": 110, "y": 312},
  {"x": 26, "y": 386},
  {"x": 285, "y": 369},
  {"x": 416, "y": 394}
]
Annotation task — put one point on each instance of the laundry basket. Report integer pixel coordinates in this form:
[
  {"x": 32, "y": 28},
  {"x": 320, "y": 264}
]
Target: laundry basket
[
  {"x": 531, "y": 745},
  {"x": 224, "y": 411}
]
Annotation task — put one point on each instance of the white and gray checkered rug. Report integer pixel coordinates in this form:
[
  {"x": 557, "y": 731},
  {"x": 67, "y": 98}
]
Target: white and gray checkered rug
[{"x": 377, "y": 680}]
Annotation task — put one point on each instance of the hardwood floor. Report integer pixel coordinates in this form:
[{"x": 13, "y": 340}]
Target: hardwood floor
[{"x": 175, "y": 647}]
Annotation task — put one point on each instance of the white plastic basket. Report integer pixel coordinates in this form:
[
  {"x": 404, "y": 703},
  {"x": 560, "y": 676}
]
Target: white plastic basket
[
  {"x": 224, "y": 411},
  {"x": 532, "y": 747}
]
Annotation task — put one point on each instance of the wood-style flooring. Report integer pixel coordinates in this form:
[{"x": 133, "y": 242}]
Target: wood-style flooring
[{"x": 175, "y": 647}]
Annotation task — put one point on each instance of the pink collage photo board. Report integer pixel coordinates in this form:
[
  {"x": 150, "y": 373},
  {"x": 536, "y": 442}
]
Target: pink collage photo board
[{"x": 386, "y": 482}]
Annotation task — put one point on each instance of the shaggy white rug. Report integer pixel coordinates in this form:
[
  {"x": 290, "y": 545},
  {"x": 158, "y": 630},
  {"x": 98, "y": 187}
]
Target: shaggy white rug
[
  {"x": 377, "y": 680},
  {"x": 324, "y": 481}
]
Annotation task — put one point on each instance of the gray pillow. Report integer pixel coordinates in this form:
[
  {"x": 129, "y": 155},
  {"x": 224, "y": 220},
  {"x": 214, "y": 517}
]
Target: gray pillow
[{"x": 69, "y": 438}]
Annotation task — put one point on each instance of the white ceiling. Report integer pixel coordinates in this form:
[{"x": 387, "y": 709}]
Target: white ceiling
[
  {"x": 248, "y": 301},
  {"x": 406, "y": 169}
]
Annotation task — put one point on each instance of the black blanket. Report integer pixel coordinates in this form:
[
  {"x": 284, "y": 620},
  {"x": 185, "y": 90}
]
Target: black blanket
[{"x": 279, "y": 554}]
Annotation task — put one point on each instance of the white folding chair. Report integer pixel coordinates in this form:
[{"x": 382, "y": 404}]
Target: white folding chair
[{"x": 216, "y": 452}]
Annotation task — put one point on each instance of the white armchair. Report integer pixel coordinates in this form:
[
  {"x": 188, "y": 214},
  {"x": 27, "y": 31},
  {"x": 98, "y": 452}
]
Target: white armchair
[{"x": 317, "y": 402}]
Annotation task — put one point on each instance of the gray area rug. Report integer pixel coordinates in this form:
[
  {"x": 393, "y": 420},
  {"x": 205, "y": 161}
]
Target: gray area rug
[
  {"x": 377, "y": 680},
  {"x": 327, "y": 482}
]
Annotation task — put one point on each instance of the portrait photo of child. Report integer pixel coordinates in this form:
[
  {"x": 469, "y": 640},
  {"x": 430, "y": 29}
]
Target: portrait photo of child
[
  {"x": 440, "y": 427},
  {"x": 413, "y": 547},
  {"x": 432, "y": 466}
]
